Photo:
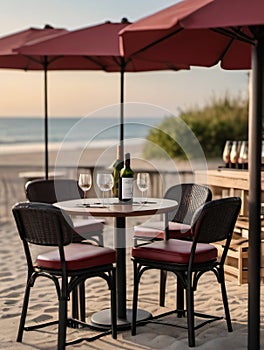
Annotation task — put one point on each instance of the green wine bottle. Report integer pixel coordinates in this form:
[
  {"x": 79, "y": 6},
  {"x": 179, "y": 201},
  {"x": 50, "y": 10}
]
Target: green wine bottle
[
  {"x": 117, "y": 166},
  {"x": 125, "y": 192}
]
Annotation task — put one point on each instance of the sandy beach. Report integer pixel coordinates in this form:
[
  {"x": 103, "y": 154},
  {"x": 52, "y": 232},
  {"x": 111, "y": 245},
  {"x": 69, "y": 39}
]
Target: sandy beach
[{"x": 43, "y": 301}]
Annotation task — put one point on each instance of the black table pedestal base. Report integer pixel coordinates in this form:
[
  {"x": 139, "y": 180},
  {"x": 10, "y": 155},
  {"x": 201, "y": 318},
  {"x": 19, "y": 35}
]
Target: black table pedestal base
[{"x": 102, "y": 319}]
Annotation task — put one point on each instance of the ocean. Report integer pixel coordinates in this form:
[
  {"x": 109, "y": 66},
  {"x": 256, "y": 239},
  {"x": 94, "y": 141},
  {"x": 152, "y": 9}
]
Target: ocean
[{"x": 27, "y": 133}]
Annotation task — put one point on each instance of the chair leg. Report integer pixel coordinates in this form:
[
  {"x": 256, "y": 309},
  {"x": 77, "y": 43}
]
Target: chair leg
[
  {"x": 113, "y": 305},
  {"x": 81, "y": 289},
  {"x": 75, "y": 303},
  {"x": 180, "y": 298},
  {"x": 135, "y": 300},
  {"x": 62, "y": 323},
  {"x": 190, "y": 314},
  {"x": 225, "y": 301},
  {"x": 163, "y": 278},
  {"x": 23, "y": 313}
]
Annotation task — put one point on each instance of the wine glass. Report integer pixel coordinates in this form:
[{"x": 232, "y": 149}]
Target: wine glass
[
  {"x": 105, "y": 182},
  {"x": 85, "y": 183},
  {"x": 143, "y": 183},
  {"x": 243, "y": 155},
  {"x": 234, "y": 154},
  {"x": 226, "y": 153}
]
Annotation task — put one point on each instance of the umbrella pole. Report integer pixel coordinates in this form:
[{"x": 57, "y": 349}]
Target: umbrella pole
[
  {"x": 46, "y": 118},
  {"x": 255, "y": 149},
  {"x": 122, "y": 85}
]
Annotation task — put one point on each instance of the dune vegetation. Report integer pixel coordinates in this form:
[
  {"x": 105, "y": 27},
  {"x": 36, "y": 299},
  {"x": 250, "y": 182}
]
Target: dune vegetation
[{"x": 222, "y": 119}]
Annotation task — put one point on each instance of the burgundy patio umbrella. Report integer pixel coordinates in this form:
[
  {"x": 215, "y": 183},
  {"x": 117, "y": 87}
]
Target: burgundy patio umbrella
[
  {"x": 204, "y": 33},
  {"x": 94, "y": 48},
  {"x": 9, "y": 59}
]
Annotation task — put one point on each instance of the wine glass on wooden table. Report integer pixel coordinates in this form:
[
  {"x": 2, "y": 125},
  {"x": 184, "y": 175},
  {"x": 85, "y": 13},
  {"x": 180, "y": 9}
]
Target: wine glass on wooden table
[
  {"x": 85, "y": 183},
  {"x": 105, "y": 182},
  {"x": 143, "y": 182}
]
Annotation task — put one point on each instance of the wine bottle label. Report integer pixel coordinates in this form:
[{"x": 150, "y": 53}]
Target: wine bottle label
[{"x": 127, "y": 188}]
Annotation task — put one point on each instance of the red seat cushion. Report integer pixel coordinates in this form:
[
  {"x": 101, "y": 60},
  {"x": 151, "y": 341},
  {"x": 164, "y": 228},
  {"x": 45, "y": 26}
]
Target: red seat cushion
[
  {"x": 155, "y": 230},
  {"x": 175, "y": 251},
  {"x": 77, "y": 256}
]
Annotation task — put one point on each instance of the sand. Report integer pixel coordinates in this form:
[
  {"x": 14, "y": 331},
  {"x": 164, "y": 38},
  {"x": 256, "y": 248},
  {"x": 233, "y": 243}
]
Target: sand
[{"x": 43, "y": 302}]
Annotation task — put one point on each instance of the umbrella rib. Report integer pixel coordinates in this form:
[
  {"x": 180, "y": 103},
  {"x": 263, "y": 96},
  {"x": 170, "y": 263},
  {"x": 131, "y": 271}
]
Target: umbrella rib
[
  {"x": 33, "y": 59},
  {"x": 119, "y": 62},
  {"x": 100, "y": 65},
  {"x": 235, "y": 33},
  {"x": 157, "y": 41},
  {"x": 54, "y": 59},
  {"x": 226, "y": 49},
  {"x": 243, "y": 36}
]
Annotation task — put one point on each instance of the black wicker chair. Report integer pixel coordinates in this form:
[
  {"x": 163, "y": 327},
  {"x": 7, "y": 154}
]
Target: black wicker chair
[
  {"x": 190, "y": 197},
  {"x": 55, "y": 190},
  {"x": 87, "y": 229},
  {"x": 67, "y": 265},
  {"x": 189, "y": 260}
]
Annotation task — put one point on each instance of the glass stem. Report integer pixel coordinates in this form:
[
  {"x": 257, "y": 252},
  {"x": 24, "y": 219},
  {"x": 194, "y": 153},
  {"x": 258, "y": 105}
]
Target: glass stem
[{"x": 146, "y": 196}]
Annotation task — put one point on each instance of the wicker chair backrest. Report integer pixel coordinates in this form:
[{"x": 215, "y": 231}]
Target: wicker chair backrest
[
  {"x": 215, "y": 220},
  {"x": 53, "y": 190},
  {"x": 190, "y": 197},
  {"x": 42, "y": 224}
]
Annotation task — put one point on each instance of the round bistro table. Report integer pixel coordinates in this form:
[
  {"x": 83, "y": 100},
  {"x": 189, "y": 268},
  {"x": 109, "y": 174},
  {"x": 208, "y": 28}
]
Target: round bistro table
[{"x": 119, "y": 211}]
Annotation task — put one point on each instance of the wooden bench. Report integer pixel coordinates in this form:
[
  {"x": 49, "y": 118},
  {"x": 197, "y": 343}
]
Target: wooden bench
[
  {"x": 225, "y": 183},
  {"x": 236, "y": 263}
]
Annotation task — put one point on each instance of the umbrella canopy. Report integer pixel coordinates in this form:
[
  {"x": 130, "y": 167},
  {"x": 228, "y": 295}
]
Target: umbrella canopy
[
  {"x": 94, "y": 48},
  {"x": 91, "y": 48},
  {"x": 12, "y": 60},
  {"x": 9, "y": 59},
  {"x": 203, "y": 33},
  {"x": 197, "y": 32}
]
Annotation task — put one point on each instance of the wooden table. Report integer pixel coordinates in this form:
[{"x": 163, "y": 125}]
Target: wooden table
[{"x": 120, "y": 212}]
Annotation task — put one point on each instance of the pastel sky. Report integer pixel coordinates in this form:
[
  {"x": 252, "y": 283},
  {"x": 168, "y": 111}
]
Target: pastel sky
[{"x": 80, "y": 93}]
